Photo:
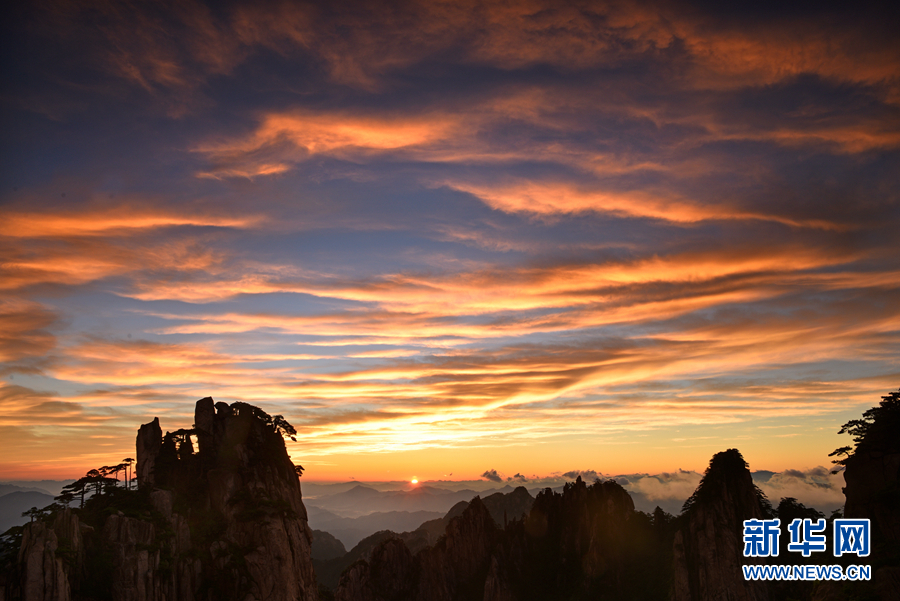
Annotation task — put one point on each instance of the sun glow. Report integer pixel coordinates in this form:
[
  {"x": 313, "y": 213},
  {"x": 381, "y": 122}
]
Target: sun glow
[{"x": 414, "y": 481}]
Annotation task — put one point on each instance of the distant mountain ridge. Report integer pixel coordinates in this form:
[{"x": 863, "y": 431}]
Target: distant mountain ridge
[
  {"x": 502, "y": 508},
  {"x": 570, "y": 546},
  {"x": 361, "y": 500},
  {"x": 352, "y": 530},
  {"x": 50, "y": 487},
  {"x": 13, "y": 504},
  {"x": 228, "y": 524},
  {"x": 5, "y": 489}
]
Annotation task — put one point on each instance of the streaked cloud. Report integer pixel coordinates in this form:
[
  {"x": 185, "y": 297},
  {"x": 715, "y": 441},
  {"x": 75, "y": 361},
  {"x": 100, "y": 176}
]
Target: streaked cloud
[
  {"x": 27, "y": 342},
  {"x": 118, "y": 219},
  {"x": 507, "y": 231}
]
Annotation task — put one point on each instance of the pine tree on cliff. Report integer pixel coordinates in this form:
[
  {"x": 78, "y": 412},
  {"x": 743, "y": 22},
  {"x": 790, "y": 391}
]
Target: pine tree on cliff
[
  {"x": 79, "y": 487},
  {"x": 128, "y": 462},
  {"x": 32, "y": 513},
  {"x": 65, "y": 498},
  {"x": 185, "y": 540},
  {"x": 872, "y": 488},
  {"x": 878, "y": 430}
]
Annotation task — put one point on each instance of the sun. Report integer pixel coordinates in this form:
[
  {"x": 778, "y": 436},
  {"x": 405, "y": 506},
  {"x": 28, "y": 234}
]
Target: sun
[{"x": 414, "y": 481}]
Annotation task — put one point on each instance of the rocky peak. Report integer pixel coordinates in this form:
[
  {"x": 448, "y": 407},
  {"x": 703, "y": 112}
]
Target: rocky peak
[
  {"x": 454, "y": 568},
  {"x": 50, "y": 558},
  {"x": 468, "y": 542},
  {"x": 224, "y": 521},
  {"x": 872, "y": 476},
  {"x": 872, "y": 471},
  {"x": 503, "y": 507},
  {"x": 572, "y": 544},
  {"x": 149, "y": 441},
  {"x": 708, "y": 551},
  {"x": 388, "y": 575}
]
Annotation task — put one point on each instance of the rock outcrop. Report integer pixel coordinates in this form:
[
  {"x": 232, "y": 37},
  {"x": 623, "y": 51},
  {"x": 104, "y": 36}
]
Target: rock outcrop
[
  {"x": 586, "y": 543},
  {"x": 503, "y": 507},
  {"x": 708, "y": 548},
  {"x": 51, "y": 555},
  {"x": 872, "y": 476},
  {"x": 873, "y": 491},
  {"x": 147, "y": 445},
  {"x": 389, "y": 575},
  {"x": 224, "y": 523},
  {"x": 450, "y": 570},
  {"x": 325, "y": 546}
]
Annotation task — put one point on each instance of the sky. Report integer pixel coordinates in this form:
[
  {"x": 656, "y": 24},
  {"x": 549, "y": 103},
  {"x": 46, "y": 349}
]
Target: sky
[{"x": 449, "y": 240}]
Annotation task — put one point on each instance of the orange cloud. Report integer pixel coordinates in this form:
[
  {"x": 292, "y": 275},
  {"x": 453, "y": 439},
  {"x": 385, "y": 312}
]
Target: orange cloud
[
  {"x": 361, "y": 45},
  {"x": 295, "y": 135},
  {"x": 766, "y": 53},
  {"x": 547, "y": 198},
  {"x": 79, "y": 248},
  {"x": 121, "y": 219},
  {"x": 547, "y": 335},
  {"x": 249, "y": 172},
  {"x": 26, "y": 340},
  {"x": 451, "y": 136}
]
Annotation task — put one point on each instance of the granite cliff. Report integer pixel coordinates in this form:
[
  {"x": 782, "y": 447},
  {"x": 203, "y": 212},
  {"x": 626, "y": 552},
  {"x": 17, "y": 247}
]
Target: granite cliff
[
  {"x": 454, "y": 568},
  {"x": 224, "y": 521},
  {"x": 587, "y": 542},
  {"x": 502, "y": 508},
  {"x": 708, "y": 547},
  {"x": 872, "y": 476}
]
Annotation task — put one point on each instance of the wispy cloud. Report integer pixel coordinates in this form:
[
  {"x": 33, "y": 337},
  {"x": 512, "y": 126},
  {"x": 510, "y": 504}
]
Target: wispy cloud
[
  {"x": 470, "y": 227},
  {"x": 27, "y": 342}
]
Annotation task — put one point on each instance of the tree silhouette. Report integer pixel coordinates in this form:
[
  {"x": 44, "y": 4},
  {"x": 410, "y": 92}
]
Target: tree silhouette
[
  {"x": 121, "y": 467},
  {"x": 96, "y": 478},
  {"x": 876, "y": 431},
  {"x": 79, "y": 487},
  {"x": 841, "y": 451},
  {"x": 106, "y": 470},
  {"x": 65, "y": 497},
  {"x": 34, "y": 512},
  {"x": 277, "y": 423},
  {"x": 180, "y": 441},
  {"x": 284, "y": 428},
  {"x": 127, "y": 462}
]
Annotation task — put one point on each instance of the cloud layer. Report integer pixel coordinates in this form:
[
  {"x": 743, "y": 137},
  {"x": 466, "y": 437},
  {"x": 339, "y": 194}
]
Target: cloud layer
[{"x": 434, "y": 227}]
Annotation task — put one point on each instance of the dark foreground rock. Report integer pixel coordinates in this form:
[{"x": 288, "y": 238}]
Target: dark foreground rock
[
  {"x": 708, "y": 551},
  {"x": 872, "y": 475},
  {"x": 226, "y": 522},
  {"x": 326, "y": 547},
  {"x": 585, "y": 543}
]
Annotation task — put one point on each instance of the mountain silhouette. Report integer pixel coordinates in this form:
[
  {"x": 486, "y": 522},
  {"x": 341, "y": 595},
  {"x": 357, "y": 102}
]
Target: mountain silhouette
[{"x": 224, "y": 520}]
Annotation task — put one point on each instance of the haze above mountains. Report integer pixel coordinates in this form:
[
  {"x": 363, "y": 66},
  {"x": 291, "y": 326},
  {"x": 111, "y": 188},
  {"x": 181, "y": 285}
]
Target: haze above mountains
[
  {"x": 355, "y": 507},
  {"x": 354, "y": 510},
  {"x": 226, "y": 521}
]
